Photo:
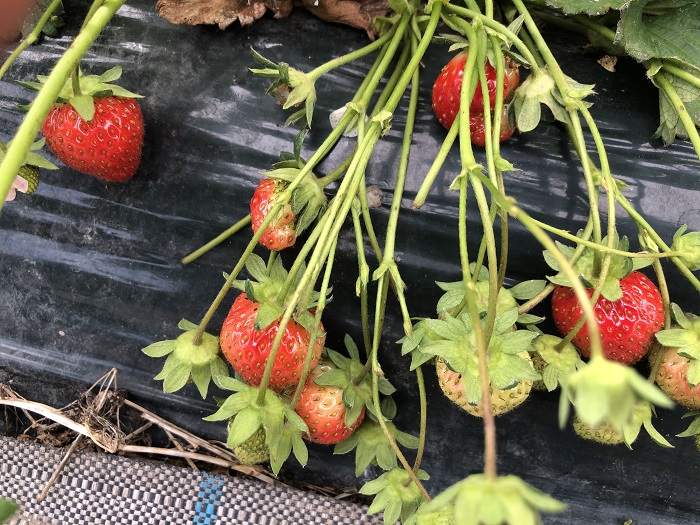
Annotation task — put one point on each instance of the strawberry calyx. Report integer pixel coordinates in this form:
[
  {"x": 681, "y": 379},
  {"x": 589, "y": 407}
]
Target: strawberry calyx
[
  {"x": 189, "y": 363},
  {"x": 395, "y": 494},
  {"x": 687, "y": 245},
  {"x": 82, "y": 95},
  {"x": 290, "y": 88},
  {"x": 586, "y": 267},
  {"x": 282, "y": 426},
  {"x": 555, "y": 364},
  {"x": 348, "y": 373},
  {"x": 607, "y": 392},
  {"x": 265, "y": 287},
  {"x": 509, "y": 362},
  {"x": 307, "y": 200},
  {"x": 504, "y": 499},
  {"x": 372, "y": 446}
]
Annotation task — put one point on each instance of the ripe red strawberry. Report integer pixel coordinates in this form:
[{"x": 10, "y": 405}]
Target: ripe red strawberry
[
  {"x": 627, "y": 326},
  {"x": 108, "y": 146},
  {"x": 323, "y": 410},
  {"x": 447, "y": 87},
  {"x": 247, "y": 348},
  {"x": 477, "y": 132},
  {"x": 281, "y": 232}
]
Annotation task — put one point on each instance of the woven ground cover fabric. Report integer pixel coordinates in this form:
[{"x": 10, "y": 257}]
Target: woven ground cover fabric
[{"x": 99, "y": 488}]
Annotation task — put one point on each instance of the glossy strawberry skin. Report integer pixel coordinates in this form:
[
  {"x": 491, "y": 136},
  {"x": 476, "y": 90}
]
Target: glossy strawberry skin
[
  {"x": 477, "y": 131},
  {"x": 247, "y": 349},
  {"x": 280, "y": 233},
  {"x": 627, "y": 326},
  {"x": 447, "y": 87},
  {"x": 323, "y": 411},
  {"x": 672, "y": 378},
  {"x": 107, "y": 147}
]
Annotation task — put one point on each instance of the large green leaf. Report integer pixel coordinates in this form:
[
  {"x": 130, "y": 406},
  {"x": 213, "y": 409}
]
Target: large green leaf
[
  {"x": 670, "y": 125},
  {"x": 590, "y": 7},
  {"x": 674, "y": 34}
]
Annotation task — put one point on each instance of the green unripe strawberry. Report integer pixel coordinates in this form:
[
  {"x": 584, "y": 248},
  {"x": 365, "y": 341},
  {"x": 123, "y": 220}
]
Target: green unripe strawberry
[
  {"x": 253, "y": 451},
  {"x": 502, "y": 401},
  {"x": 31, "y": 175},
  {"x": 604, "y": 433}
]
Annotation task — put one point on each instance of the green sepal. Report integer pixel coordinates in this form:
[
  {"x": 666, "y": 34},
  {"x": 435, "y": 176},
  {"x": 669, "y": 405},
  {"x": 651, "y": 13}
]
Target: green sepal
[
  {"x": 372, "y": 447},
  {"x": 694, "y": 427},
  {"x": 283, "y": 427},
  {"x": 506, "y": 499},
  {"x": 604, "y": 391},
  {"x": 7, "y": 509},
  {"x": 187, "y": 362},
  {"x": 559, "y": 363},
  {"x": 395, "y": 494}
]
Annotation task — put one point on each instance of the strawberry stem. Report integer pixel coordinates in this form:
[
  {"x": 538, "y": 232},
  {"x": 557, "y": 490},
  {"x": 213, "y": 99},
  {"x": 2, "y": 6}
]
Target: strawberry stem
[
  {"x": 508, "y": 205},
  {"x": 362, "y": 279},
  {"x": 41, "y": 105},
  {"x": 646, "y": 228},
  {"x": 217, "y": 240},
  {"x": 321, "y": 70},
  {"x": 679, "y": 105},
  {"x": 317, "y": 325},
  {"x": 383, "y": 285}
]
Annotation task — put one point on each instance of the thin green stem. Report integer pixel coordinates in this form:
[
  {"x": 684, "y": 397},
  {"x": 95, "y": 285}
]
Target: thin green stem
[
  {"x": 376, "y": 373},
  {"x": 646, "y": 228},
  {"x": 490, "y": 453},
  {"x": 436, "y": 166},
  {"x": 321, "y": 70},
  {"x": 325, "y": 283},
  {"x": 682, "y": 74},
  {"x": 679, "y": 106},
  {"x": 362, "y": 279},
  {"x": 522, "y": 48},
  {"x": 423, "y": 424},
  {"x": 509, "y": 206},
  {"x": 217, "y": 240},
  {"x": 41, "y": 105}
]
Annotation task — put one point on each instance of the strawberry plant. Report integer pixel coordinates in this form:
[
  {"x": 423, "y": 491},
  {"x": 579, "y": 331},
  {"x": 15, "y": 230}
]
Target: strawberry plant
[{"x": 485, "y": 343}]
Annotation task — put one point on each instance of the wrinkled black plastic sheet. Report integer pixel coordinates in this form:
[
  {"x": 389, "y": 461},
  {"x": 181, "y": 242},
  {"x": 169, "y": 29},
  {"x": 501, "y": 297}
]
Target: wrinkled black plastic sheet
[{"x": 90, "y": 272}]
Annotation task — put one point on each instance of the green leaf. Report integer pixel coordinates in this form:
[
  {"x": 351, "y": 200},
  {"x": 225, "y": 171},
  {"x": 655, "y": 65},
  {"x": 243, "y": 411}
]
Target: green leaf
[
  {"x": 527, "y": 113},
  {"x": 219, "y": 372},
  {"x": 256, "y": 268},
  {"x": 267, "y": 314},
  {"x": 677, "y": 337},
  {"x": 110, "y": 75},
  {"x": 589, "y": 7},
  {"x": 85, "y": 106},
  {"x": 186, "y": 325},
  {"x": 246, "y": 423},
  {"x": 7, "y": 509},
  {"x": 692, "y": 430},
  {"x": 674, "y": 34},
  {"x": 175, "y": 374},
  {"x": 159, "y": 349},
  {"x": 201, "y": 376},
  {"x": 528, "y": 289}
]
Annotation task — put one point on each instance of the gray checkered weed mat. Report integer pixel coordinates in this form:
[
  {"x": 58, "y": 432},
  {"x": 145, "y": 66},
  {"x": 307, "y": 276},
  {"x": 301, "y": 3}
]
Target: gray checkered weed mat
[{"x": 95, "y": 489}]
